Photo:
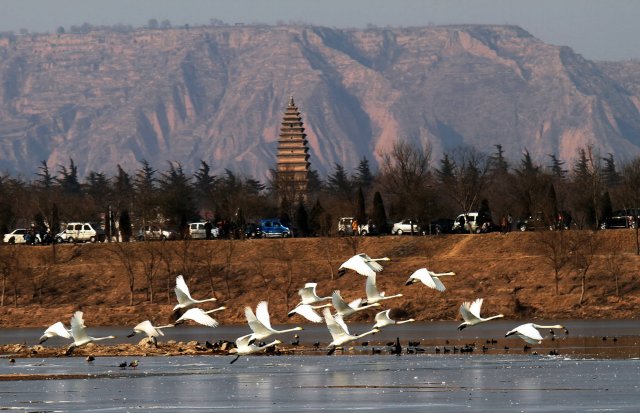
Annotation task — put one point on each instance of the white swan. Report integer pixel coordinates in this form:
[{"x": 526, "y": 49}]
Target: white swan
[
  {"x": 470, "y": 311},
  {"x": 362, "y": 264},
  {"x": 150, "y": 330},
  {"x": 260, "y": 323},
  {"x": 79, "y": 333},
  {"x": 184, "y": 297},
  {"x": 344, "y": 310},
  {"x": 528, "y": 332},
  {"x": 383, "y": 320},
  {"x": 428, "y": 278},
  {"x": 309, "y": 296},
  {"x": 55, "y": 330},
  {"x": 199, "y": 316},
  {"x": 373, "y": 295},
  {"x": 245, "y": 346},
  {"x": 308, "y": 311},
  {"x": 340, "y": 332}
]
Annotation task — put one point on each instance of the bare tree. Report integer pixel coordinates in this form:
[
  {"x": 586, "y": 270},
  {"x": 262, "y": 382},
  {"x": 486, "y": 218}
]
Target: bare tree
[
  {"x": 187, "y": 257},
  {"x": 211, "y": 268},
  {"x": 151, "y": 260},
  {"x": 630, "y": 191},
  {"x": 614, "y": 262},
  {"x": 282, "y": 253},
  {"x": 229, "y": 249},
  {"x": 583, "y": 249},
  {"x": 555, "y": 250},
  {"x": 127, "y": 259}
]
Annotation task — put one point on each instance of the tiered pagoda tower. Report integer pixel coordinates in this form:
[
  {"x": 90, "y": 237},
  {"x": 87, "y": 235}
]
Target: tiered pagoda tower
[{"x": 293, "y": 155}]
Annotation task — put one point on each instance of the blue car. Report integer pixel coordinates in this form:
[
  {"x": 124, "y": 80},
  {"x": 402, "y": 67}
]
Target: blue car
[{"x": 270, "y": 228}]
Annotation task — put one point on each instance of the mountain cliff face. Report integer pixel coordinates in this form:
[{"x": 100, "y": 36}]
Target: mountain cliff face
[{"x": 218, "y": 94}]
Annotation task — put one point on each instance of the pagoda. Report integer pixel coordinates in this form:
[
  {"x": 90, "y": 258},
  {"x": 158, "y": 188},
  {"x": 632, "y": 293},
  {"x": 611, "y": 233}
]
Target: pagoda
[{"x": 293, "y": 155}]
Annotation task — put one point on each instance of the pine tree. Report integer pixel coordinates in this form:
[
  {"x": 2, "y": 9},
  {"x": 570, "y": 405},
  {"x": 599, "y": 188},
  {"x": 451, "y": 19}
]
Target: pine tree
[
  {"x": 125, "y": 226},
  {"x": 378, "y": 215}
]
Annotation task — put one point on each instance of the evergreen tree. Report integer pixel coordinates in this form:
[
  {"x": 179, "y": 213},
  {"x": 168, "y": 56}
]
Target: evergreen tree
[
  {"x": 69, "y": 178},
  {"x": 557, "y": 171},
  {"x": 175, "y": 193},
  {"x": 316, "y": 222},
  {"x": 125, "y": 226},
  {"x": 360, "y": 215},
  {"x": 363, "y": 176},
  {"x": 498, "y": 165},
  {"x": 610, "y": 174},
  {"x": 338, "y": 182},
  {"x": 378, "y": 214},
  {"x": 46, "y": 180},
  {"x": 302, "y": 220},
  {"x": 146, "y": 202}
]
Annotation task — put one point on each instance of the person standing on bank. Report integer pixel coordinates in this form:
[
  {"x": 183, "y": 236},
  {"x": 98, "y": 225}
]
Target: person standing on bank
[{"x": 208, "y": 228}]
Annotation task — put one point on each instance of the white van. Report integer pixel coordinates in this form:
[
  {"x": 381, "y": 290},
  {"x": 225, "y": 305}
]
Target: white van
[{"x": 467, "y": 223}]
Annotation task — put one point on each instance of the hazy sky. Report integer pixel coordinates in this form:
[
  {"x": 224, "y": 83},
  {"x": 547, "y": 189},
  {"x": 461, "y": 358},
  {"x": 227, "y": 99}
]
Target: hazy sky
[{"x": 597, "y": 29}]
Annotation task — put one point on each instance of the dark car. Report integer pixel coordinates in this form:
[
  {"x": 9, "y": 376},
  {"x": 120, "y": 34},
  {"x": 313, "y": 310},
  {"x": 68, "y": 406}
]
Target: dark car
[
  {"x": 252, "y": 230},
  {"x": 623, "y": 218},
  {"x": 439, "y": 226}
]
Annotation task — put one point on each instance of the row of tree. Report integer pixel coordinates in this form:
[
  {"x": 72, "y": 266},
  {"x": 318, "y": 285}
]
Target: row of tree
[{"x": 408, "y": 184}]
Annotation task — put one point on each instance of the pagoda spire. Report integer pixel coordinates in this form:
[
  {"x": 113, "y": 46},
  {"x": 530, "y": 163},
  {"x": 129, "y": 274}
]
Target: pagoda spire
[{"x": 293, "y": 155}]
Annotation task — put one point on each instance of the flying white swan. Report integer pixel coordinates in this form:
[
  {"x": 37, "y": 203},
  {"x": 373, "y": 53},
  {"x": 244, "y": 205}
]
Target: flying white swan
[
  {"x": 260, "y": 323},
  {"x": 309, "y": 296},
  {"x": 245, "y": 346},
  {"x": 373, "y": 295},
  {"x": 184, "y": 297},
  {"x": 344, "y": 310},
  {"x": 528, "y": 332},
  {"x": 340, "y": 332},
  {"x": 362, "y": 264},
  {"x": 79, "y": 333},
  {"x": 428, "y": 278},
  {"x": 470, "y": 311},
  {"x": 55, "y": 330},
  {"x": 308, "y": 311},
  {"x": 199, "y": 316},
  {"x": 150, "y": 330},
  {"x": 383, "y": 320}
]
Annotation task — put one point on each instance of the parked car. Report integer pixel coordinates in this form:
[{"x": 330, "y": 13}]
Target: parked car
[
  {"x": 533, "y": 223},
  {"x": 252, "y": 230},
  {"x": 406, "y": 226},
  {"x": 16, "y": 236},
  {"x": 439, "y": 226},
  {"x": 273, "y": 228},
  {"x": 81, "y": 232},
  {"x": 197, "y": 231},
  {"x": 149, "y": 232},
  {"x": 467, "y": 222},
  {"x": 623, "y": 218},
  {"x": 345, "y": 227}
]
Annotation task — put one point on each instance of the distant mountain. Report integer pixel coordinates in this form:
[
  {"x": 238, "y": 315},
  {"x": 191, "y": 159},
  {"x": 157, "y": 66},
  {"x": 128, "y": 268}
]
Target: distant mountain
[{"x": 218, "y": 94}]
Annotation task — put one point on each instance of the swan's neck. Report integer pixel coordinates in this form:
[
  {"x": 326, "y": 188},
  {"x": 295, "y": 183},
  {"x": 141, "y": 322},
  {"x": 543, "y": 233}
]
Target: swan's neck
[
  {"x": 494, "y": 317},
  {"x": 411, "y": 320},
  {"x": 553, "y": 326},
  {"x": 366, "y": 333}
]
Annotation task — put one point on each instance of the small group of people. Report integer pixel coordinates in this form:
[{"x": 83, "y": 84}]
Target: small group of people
[
  {"x": 35, "y": 236},
  {"x": 506, "y": 222}
]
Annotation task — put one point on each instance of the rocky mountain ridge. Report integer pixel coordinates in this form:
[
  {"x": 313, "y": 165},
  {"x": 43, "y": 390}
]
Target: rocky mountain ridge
[{"x": 218, "y": 94}]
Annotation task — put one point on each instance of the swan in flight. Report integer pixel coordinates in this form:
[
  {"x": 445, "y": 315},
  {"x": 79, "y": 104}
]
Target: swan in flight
[
  {"x": 528, "y": 332},
  {"x": 340, "y": 332},
  {"x": 150, "y": 330},
  {"x": 260, "y": 323},
  {"x": 199, "y": 316},
  {"x": 56, "y": 330},
  {"x": 429, "y": 278},
  {"x": 470, "y": 311},
  {"x": 383, "y": 320},
  {"x": 184, "y": 297},
  {"x": 308, "y": 311},
  {"x": 373, "y": 295},
  {"x": 345, "y": 310},
  {"x": 309, "y": 296},
  {"x": 362, "y": 264},
  {"x": 245, "y": 346},
  {"x": 79, "y": 333}
]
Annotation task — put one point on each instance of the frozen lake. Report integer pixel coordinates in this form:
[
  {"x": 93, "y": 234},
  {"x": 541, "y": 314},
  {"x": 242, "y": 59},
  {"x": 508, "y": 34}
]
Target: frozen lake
[
  {"x": 598, "y": 369},
  {"x": 381, "y": 383}
]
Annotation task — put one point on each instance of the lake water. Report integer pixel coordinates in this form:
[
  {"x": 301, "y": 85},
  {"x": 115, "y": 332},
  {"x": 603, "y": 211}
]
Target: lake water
[{"x": 589, "y": 375}]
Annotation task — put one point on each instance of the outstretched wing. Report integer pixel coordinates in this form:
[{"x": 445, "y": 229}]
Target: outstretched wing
[
  {"x": 77, "y": 327},
  {"x": 262, "y": 314},
  {"x": 466, "y": 313},
  {"x": 182, "y": 291},
  {"x": 256, "y": 326},
  {"x": 371, "y": 263},
  {"x": 57, "y": 329},
  {"x": 338, "y": 303},
  {"x": 306, "y": 311},
  {"x": 335, "y": 329},
  {"x": 475, "y": 307},
  {"x": 358, "y": 264},
  {"x": 371, "y": 289},
  {"x": 199, "y": 316}
]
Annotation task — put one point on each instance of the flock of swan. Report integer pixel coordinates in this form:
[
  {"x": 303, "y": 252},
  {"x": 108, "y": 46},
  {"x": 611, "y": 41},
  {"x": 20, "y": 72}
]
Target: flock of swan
[{"x": 260, "y": 324}]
